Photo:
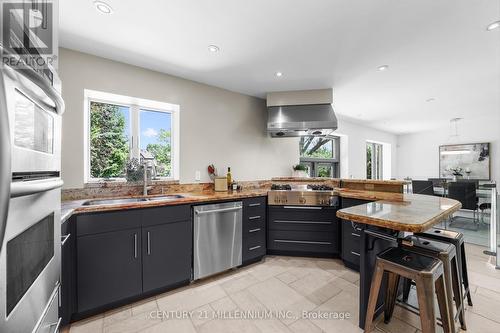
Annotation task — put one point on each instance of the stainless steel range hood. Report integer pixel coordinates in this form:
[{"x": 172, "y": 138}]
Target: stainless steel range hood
[
  {"x": 299, "y": 113},
  {"x": 300, "y": 120}
]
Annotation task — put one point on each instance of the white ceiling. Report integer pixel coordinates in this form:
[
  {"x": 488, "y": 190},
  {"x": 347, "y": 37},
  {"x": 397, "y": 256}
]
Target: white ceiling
[{"x": 434, "y": 48}]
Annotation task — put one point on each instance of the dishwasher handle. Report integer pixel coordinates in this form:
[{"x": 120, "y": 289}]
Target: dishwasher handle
[{"x": 230, "y": 209}]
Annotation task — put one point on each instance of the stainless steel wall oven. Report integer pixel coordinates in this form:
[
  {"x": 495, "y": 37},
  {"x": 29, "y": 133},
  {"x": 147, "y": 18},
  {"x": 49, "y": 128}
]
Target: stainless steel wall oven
[{"x": 30, "y": 199}]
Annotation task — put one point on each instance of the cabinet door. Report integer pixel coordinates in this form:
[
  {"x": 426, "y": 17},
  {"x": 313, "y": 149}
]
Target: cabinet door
[
  {"x": 68, "y": 271},
  {"x": 108, "y": 268},
  {"x": 166, "y": 255}
]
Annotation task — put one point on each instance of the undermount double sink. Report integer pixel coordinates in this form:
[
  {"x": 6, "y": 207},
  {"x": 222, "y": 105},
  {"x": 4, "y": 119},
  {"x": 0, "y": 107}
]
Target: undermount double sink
[{"x": 132, "y": 200}]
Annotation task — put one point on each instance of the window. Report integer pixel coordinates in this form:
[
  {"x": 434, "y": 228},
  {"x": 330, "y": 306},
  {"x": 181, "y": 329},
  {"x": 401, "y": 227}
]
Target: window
[
  {"x": 374, "y": 160},
  {"x": 320, "y": 155},
  {"x": 121, "y": 128},
  {"x": 109, "y": 140},
  {"x": 156, "y": 139}
]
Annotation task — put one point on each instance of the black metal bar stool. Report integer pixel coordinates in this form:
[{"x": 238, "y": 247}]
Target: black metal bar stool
[
  {"x": 447, "y": 254},
  {"x": 428, "y": 274},
  {"x": 457, "y": 239}
]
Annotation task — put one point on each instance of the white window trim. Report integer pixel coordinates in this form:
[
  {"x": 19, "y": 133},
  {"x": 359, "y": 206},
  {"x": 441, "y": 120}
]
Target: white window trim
[{"x": 135, "y": 105}]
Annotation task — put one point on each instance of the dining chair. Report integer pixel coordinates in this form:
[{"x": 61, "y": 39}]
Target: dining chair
[
  {"x": 473, "y": 181},
  {"x": 422, "y": 187},
  {"x": 465, "y": 192}
]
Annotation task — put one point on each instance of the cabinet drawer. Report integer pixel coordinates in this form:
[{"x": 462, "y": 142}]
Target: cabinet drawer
[
  {"x": 303, "y": 241},
  {"x": 259, "y": 228},
  {"x": 254, "y": 207},
  {"x": 168, "y": 214},
  {"x": 302, "y": 213},
  {"x": 254, "y": 246},
  {"x": 96, "y": 223},
  {"x": 253, "y": 222},
  {"x": 350, "y": 243},
  {"x": 352, "y": 256},
  {"x": 303, "y": 225}
]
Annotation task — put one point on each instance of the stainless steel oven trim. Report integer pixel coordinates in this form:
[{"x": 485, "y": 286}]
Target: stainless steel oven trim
[
  {"x": 52, "y": 299},
  {"x": 47, "y": 88},
  {"x": 5, "y": 162},
  {"x": 29, "y": 308},
  {"x": 23, "y": 159}
]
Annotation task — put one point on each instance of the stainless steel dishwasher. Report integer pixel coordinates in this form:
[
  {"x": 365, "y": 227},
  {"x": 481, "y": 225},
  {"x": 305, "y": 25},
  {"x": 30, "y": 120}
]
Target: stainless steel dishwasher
[{"x": 217, "y": 238}]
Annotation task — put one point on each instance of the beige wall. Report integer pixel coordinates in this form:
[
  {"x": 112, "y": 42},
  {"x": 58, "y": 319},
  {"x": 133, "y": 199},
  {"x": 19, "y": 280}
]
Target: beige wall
[{"x": 217, "y": 126}]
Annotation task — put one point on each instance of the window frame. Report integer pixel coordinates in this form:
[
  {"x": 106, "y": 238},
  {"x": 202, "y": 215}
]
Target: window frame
[
  {"x": 135, "y": 105},
  {"x": 314, "y": 162},
  {"x": 377, "y": 165}
]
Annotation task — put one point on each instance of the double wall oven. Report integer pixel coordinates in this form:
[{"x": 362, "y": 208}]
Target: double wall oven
[{"x": 30, "y": 200}]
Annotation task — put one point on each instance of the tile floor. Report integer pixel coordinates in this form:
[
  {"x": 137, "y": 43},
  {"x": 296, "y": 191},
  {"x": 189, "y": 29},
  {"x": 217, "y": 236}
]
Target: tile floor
[{"x": 292, "y": 285}]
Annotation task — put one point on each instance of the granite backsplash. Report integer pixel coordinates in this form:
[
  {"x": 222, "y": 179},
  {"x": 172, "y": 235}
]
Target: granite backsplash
[{"x": 124, "y": 189}]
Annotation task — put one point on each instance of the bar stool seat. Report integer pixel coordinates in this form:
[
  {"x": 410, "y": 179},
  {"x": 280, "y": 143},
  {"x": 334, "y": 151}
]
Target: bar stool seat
[
  {"x": 457, "y": 239},
  {"x": 428, "y": 274},
  {"x": 445, "y": 252}
]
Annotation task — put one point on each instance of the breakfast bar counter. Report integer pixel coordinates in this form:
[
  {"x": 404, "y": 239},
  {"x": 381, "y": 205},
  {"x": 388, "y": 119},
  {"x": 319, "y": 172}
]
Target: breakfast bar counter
[
  {"x": 381, "y": 223},
  {"x": 403, "y": 212}
]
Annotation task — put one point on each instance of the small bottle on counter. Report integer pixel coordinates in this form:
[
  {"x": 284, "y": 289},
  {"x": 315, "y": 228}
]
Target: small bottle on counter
[{"x": 229, "y": 178}]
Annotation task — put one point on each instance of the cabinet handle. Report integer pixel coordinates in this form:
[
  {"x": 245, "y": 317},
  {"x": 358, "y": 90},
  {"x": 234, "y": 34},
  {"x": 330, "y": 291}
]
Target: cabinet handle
[
  {"x": 355, "y": 253},
  {"x": 301, "y": 222},
  {"x": 254, "y": 230},
  {"x": 254, "y": 248},
  {"x": 355, "y": 226},
  {"x": 300, "y": 242},
  {"x": 64, "y": 239},
  {"x": 303, "y": 207},
  {"x": 135, "y": 246},
  {"x": 254, "y": 205},
  {"x": 254, "y": 217},
  {"x": 355, "y": 235},
  {"x": 149, "y": 244}
]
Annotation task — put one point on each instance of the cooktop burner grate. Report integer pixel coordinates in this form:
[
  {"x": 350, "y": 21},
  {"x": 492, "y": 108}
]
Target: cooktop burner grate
[
  {"x": 319, "y": 187},
  {"x": 281, "y": 187}
]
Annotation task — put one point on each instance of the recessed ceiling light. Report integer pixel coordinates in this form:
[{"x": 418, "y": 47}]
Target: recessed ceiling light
[
  {"x": 213, "y": 48},
  {"x": 383, "y": 68},
  {"x": 432, "y": 99},
  {"x": 493, "y": 26},
  {"x": 103, "y": 7},
  {"x": 279, "y": 74}
]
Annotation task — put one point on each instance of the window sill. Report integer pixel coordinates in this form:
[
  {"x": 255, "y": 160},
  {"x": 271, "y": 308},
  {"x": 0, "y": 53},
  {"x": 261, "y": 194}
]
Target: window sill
[{"x": 123, "y": 182}]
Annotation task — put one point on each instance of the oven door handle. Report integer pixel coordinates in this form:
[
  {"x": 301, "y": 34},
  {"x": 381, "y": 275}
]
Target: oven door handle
[{"x": 20, "y": 189}]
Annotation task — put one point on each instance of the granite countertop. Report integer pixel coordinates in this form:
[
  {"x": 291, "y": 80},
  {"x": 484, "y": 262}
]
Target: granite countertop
[
  {"x": 413, "y": 213},
  {"x": 405, "y": 212},
  {"x": 68, "y": 208}
]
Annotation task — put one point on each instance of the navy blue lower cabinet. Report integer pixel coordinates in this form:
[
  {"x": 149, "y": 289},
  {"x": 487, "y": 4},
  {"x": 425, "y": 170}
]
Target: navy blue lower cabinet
[
  {"x": 166, "y": 255},
  {"x": 309, "y": 231},
  {"x": 109, "y": 267},
  {"x": 67, "y": 305},
  {"x": 254, "y": 229},
  {"x": 351, "y": 237}
]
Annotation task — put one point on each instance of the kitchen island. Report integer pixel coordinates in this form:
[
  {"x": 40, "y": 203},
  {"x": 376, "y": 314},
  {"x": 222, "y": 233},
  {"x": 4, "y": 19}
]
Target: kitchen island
[{"x": 381, "y": 223}]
